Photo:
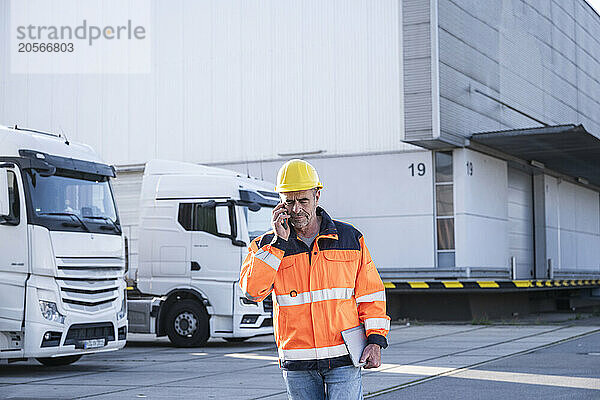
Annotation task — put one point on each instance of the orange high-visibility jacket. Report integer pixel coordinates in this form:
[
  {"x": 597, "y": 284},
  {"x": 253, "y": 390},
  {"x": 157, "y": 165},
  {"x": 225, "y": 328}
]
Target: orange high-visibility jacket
[{"x": 318, "y": 292}]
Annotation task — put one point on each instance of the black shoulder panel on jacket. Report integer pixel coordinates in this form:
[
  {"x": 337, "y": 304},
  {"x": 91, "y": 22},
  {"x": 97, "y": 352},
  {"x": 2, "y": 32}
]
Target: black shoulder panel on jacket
[
  {"x": 266, "y": 238},
  {"x": 348, "y": 237}
]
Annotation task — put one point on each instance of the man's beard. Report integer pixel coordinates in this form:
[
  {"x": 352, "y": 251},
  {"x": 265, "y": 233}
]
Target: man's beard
[{"x": 301, "y": 222}]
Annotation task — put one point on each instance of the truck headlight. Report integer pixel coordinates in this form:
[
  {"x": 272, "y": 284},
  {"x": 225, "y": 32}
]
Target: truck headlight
[
  {"x": 247, "y": 302},
  {"x": 121, "y": 314},
  {"x": 50, "y": 312}
]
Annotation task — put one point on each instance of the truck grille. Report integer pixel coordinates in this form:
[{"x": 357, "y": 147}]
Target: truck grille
[
  {"x": 267, "y": 323},
  {"x": 90, "y": 267},
  {"x": 268, "y": 304},
  {"x": 78, "y": 332},
  {"x": 89, "y": 284}
]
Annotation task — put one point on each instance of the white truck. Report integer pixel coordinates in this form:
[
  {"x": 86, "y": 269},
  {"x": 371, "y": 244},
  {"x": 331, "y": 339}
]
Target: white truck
[
  {"x": 62, "y": 287},
  {"x": 194, "y": 228}
]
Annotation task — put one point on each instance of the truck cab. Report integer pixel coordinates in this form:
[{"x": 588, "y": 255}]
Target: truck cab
[
  {"x": 62, "y": 288},
  {"x": 196, "y": 223}
]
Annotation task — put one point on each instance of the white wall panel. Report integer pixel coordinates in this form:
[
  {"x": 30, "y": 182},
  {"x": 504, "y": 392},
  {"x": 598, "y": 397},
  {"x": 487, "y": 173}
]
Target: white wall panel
[
  {"x": 198, "y": 117},
  {"x": 572, "y": 227},
  {"x": 65, "y": 114},
  {"x": 15, "y": 99},
  {"x": 114, "y": 117},
  {"x": 520, "y": 221},
  {"x": 568, "y": 251},
  {"x": 286, "y": 82},
  {"x": 380, "y": 197},
  {"x": 141, "y": 135},
  {"x": 377, "y": 194},
  {"x": 4, "y": 54},
  {"x": 481, "y": 242},
  {"x": 45, "y": 110},
  {"x": 226, "y": 80},
  {"x": 256, "y": 82},
  {"x": 588, "y": 252},
  {"x": 317, "y": 75},
  {"x": 480, "y": 210},
  {"x": 383, "y": 78},
  {"x": 233, "y": 81},
  {"x": 169, "y": 80},
  {"x": 88, "y": 109},
  {"x": 552, "y": 221}
]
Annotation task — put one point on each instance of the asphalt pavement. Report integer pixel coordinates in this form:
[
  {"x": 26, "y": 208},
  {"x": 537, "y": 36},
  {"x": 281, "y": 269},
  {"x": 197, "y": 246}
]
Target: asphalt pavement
[
  {"x": 555, "y": 372},
  {"x": 423, "y": 361}
]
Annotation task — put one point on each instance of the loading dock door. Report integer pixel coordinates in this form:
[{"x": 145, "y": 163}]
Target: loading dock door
[{"x": 520, "y": 221}]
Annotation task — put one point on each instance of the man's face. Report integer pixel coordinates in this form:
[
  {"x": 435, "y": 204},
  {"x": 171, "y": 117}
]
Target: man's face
[{"x": 301, "y": 206}]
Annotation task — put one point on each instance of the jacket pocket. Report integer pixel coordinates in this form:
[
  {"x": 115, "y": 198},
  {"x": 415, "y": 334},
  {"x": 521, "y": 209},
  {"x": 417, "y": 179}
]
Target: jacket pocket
[
  {"x": 292, "y": 275},
  {"x": 286, "y": 263},
  {"x": 341, "y": 255},
  {"x": 281, "y": 327},
  {"x": 341, "y": 267}
]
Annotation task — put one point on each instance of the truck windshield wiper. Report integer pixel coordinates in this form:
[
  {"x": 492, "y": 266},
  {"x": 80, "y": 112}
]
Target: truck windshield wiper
[
  {"x": 68, "y": 214},
  {"x": 108, "y": 220}
]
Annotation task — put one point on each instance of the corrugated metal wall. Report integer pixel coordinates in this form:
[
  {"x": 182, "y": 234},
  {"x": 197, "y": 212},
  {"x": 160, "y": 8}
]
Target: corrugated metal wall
[
  {"x": 417, "y": 64},
  {"x": 541, "y": 57},
  {"x": 232, "y": 81}
]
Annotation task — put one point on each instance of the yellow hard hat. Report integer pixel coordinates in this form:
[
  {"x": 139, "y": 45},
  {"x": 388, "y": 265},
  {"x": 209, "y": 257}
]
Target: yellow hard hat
[{"x": 297, "y": 175}]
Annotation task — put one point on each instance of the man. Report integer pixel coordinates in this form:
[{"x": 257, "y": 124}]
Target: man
[{"x": 324, "y": 282}]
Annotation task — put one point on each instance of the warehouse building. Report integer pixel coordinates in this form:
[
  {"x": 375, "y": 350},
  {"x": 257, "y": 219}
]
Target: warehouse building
[{"x": 461, "y": 137}]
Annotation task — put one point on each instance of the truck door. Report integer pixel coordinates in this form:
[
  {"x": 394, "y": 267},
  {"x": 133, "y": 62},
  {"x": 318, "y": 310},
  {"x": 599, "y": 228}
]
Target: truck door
[
  {"x": 214, "y": 257},
  {"x": 14, "y": 261}
]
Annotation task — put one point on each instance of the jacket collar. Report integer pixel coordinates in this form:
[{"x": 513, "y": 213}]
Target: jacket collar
[{"x": 328, "y": 228}]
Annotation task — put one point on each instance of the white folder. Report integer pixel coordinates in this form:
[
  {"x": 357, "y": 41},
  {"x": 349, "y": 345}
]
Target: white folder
[{"x": 355, "y": 340}]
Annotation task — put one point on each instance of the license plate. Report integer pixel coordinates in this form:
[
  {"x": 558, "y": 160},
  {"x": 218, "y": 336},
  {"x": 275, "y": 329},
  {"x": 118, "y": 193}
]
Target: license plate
[{"x": 93, "y": 343}]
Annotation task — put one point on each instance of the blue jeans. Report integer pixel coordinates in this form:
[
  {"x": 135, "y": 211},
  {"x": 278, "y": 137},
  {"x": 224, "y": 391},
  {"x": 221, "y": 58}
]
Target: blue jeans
[{"x": 342, "y": 383}]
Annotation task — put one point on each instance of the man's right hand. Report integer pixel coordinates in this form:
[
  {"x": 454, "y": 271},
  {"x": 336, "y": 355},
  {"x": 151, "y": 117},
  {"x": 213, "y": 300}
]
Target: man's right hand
[{"x": 279, "y": 215}]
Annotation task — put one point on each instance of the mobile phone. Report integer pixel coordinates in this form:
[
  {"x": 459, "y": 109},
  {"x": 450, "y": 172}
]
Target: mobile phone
[{"x": 284, "y": 223}]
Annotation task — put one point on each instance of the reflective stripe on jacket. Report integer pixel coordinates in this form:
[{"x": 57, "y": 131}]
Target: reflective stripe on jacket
[{"x": 317, "y": 293}]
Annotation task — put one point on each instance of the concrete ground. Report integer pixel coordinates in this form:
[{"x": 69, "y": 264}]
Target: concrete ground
[
  {"x": 568, "y": 370},
  {"x": 422, "y": 361}
]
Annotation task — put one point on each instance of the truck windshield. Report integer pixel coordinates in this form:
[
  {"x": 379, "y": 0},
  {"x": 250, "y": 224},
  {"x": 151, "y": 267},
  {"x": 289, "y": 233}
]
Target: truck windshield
[
  {"x": 259, "y": 221},
  {"x": 72, "y": 195}
]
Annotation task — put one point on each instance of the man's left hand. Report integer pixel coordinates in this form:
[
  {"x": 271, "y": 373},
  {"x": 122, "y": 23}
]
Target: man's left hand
[{"x": 372, "y": 356}]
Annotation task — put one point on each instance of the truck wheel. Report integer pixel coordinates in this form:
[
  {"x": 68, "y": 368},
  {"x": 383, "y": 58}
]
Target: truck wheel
[
  {"x": 187, "y": 324},
  {"x": 58, "y": 361}
]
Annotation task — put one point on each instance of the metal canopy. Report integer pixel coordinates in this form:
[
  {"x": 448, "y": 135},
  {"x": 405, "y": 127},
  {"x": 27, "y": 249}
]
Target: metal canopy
[{"x": 568, "y": 149}]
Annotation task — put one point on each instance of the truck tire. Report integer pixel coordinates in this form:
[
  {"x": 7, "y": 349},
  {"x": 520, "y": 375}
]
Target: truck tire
[
  {"x": 187, "y": 324},
  {"x": 58, "y": 361}
]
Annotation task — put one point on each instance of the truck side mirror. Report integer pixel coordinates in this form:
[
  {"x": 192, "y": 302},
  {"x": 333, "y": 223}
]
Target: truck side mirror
[
  {"x": 238, "y": 243},
  {"x": 208, "y": 204},
  {"x": 4, "y": 199},
  {"x": 254, "y": 207},
  {"x": 46, "y": 172}
]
